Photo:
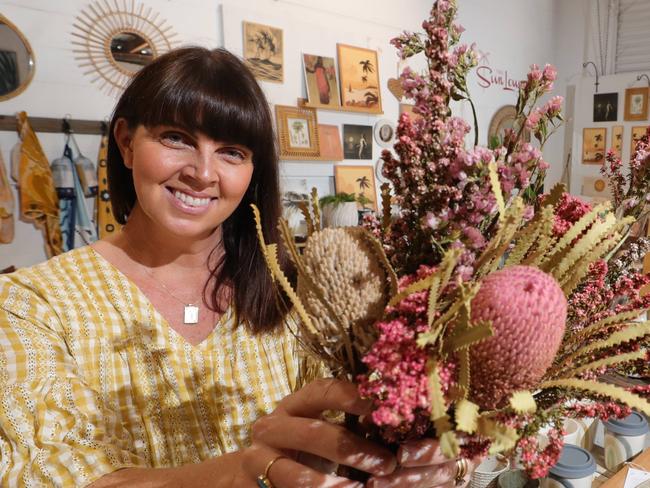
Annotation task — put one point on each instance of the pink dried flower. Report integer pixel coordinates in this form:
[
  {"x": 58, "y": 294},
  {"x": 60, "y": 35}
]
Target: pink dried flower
[{"x": 527, "y": 309}]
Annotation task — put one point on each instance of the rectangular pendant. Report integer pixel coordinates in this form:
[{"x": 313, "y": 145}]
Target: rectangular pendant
[{"x": 191, "y": 314}]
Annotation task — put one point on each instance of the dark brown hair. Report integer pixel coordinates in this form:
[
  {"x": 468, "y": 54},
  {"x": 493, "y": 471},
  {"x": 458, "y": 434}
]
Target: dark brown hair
[{"x": 212, "y": 92}]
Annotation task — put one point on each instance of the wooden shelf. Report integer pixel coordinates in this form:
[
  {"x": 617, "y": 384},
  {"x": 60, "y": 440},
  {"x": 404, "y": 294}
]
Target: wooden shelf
[{"x": 360, "y": 110}]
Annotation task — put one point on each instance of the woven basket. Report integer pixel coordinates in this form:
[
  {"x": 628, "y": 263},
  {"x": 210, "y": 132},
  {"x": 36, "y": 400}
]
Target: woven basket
[{"x": 488, "y": 471}]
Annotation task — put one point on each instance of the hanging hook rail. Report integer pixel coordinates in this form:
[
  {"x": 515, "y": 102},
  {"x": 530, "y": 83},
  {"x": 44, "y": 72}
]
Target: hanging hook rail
[{"x": 51, "y": 124}]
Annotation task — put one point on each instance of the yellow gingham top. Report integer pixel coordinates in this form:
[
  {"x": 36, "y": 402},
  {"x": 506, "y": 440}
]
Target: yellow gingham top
[{"x": 93, "y": 379}]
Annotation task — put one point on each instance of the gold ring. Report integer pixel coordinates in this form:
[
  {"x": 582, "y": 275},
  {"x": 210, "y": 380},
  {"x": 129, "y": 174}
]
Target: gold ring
[
  {"x": 263, "y": 479},
  {"x": 461, "y": 470}
]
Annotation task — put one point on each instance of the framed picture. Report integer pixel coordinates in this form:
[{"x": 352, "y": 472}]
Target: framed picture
[
  {"x": 359, "y": 76},
  {"x": 298, "y": 132},
  {"x": 617, "y": 140},
  {"x": 320, "y": 77},
  {"x": 636, "y": 104},
  {"x": 605, "y": 107},
  {"x": 596, "y": 187},
  {"x": 359, "y": 180},
  {"x": 357, "y": 141},
  {"x": 330, "y": 142},
  {"x": 263, "y": 47},
  {"x": 593, "y": 145},
  {"x": 637, "y": 133},
  {"x": 384, "y": 132}
]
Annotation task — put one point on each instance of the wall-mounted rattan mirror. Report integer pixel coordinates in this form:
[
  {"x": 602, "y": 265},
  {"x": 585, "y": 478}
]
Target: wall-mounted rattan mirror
[
  {"x": 16, "y": 60},
  {"x": 115, "y": 40}
]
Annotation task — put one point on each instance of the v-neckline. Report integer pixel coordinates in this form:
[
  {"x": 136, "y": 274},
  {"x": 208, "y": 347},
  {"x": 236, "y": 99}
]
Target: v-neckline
[{"x": 159, "y": 316}]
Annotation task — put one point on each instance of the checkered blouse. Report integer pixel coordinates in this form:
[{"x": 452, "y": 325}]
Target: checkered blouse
[{"x": 93, "y": 379}]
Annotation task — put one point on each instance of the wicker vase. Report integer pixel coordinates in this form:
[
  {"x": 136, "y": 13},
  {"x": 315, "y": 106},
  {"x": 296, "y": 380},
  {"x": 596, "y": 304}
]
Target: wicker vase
[{"x": 488, "y": 471}]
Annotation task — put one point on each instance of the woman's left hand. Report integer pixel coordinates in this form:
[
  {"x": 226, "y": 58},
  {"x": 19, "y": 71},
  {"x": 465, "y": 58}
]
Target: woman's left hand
[{"x": 422, "y": 465}]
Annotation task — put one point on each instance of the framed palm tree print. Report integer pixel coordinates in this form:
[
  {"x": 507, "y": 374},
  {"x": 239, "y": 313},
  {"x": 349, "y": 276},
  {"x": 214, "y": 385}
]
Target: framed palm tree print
[
  {"x": 359, "y": 77},
  {"x": 359, "y": 180},
  {"x": 297, "y": 132},
  {"x": 263, "y": 51}
]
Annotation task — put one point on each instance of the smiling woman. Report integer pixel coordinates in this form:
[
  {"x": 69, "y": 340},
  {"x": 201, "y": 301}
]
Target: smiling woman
[{"x": 165, "y": 354}]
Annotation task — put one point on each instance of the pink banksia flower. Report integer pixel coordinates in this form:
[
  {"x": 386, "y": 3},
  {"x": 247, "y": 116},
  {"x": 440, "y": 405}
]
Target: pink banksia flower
[{"x": 527, "y": 309}]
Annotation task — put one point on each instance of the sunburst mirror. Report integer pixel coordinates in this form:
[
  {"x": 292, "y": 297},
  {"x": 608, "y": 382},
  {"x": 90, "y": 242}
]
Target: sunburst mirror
[{"x": 116, "y": 39}]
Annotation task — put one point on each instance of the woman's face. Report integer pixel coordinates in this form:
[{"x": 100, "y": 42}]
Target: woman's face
[{"x": 187, "y": 184}]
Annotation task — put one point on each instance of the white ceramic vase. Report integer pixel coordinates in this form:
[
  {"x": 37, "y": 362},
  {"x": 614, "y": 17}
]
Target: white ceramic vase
[{"x": 340, "y": 215}]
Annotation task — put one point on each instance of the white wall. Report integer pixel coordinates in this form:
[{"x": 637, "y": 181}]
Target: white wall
[{"x": 516, "y": 33}]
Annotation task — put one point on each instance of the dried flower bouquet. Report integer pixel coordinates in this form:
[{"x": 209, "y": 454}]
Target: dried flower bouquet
[{"x": 484, "y": 312}]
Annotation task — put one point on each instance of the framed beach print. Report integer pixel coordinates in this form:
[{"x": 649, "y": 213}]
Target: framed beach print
[
  {"x": 593, "y": 145},
  {"x": 596, "y": 187},
  {"x": 636, "y": 104},
  {"x": 617, "y": 140},
  {"x": 297, "y": 132},
  {"x": 320, "y": 78},
  {"x": 359, "y": 180},
  {"x": 359, "y": 77},
  {"x": 605, "y": 107},
  {"x": 637, "y": 133},
  {"x": 329, "y": 139},
  {"x": 263, "y": 51},
  {"x": 357, "y": 141}
]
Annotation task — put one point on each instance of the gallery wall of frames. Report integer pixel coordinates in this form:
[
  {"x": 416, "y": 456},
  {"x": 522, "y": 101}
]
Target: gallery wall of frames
[
  {"x": 330, "y": 75},
  {"x": 612, "y": 119}
]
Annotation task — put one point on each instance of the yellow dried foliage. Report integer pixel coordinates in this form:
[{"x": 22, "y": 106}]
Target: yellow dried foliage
[
  {"x": 469, "y": 336},
  {"x": 315, "y": 208},
  {"x": 467, "y": 416},
  {"x": 385, "y": 207},
  {"x": 608, "y": 361},
  {"x": 523, "y": 402},
  {"x": 632, "y": 332},
  {"x": 600, "y": 326},
  {"x": 304, "y": 210},
  {"x": 496, "y": 190},
  {"x": 604, "y": 389},
  {"x": 581, "y": 267},
  {"x": 503, "y": 437}
]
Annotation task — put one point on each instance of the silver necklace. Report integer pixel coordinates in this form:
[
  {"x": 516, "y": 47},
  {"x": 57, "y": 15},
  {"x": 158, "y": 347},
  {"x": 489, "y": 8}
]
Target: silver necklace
[{"x": 190, "y": 310}]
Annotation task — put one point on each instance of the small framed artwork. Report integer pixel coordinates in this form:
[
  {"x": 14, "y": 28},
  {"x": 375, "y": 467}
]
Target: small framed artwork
[
  {"x": 359, "y": 76},
  {"x": 617, "y": 140},
  {"x": 320, "y": 77},
  {"x": 605, "y": 107},
  {"x": 593, "y": 145},
  {"x": 384, "y": 132},
  {"x": 330, "y": 142},
  {"x": 297, "y": 189},
  {"x": 636, "y": 104},
  {"x": 297, "y": 132},
  {"x": 357, "y": 141},
  {"x": 359, "y": 180},
  {"x": 637, "y": 133},
  {"x": 263, "y": 51},
  {"x": 596, "y": 187}
]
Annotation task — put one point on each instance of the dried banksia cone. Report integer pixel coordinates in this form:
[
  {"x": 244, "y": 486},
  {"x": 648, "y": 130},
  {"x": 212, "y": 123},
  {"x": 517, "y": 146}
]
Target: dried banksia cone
[
  {"x": 344, "y": 267},
  {"x": 527, "y": 309}
]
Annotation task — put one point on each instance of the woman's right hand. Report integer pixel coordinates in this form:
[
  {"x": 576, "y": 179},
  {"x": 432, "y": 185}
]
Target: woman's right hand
[{"x": 296, "y": 426}]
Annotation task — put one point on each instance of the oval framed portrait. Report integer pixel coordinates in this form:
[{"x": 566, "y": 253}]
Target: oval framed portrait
[{"x": 384, "y": 132}]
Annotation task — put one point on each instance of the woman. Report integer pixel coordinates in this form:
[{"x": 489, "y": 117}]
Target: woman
[{"x": 112, "y": 370}]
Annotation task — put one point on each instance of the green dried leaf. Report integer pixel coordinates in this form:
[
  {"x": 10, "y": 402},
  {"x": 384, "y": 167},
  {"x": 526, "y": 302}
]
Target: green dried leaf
[{"x": 503, "y": 438}]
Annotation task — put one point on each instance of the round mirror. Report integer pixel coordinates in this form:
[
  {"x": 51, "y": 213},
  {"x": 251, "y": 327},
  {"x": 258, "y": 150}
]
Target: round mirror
[
  {"x": 16, "y": 60},
  {"x": 131, "y": 51}
]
